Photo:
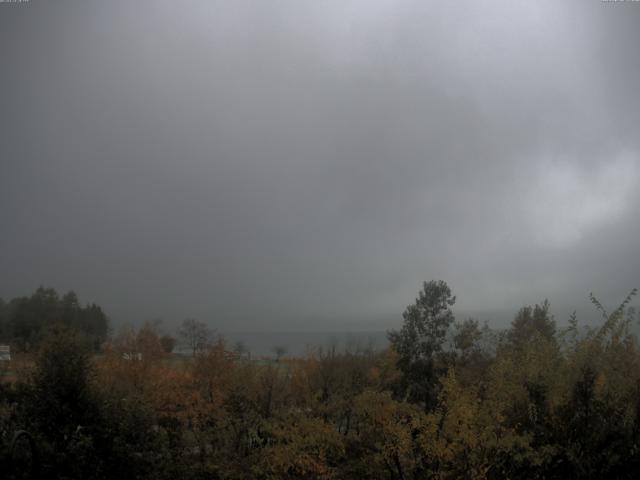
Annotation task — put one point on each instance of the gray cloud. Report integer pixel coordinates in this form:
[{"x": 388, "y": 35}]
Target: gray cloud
[{"x": 303, "y": 165}]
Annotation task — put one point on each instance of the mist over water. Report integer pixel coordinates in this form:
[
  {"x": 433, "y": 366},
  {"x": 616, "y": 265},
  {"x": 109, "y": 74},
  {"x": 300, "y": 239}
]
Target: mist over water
[{"x": 301, "y": 343}]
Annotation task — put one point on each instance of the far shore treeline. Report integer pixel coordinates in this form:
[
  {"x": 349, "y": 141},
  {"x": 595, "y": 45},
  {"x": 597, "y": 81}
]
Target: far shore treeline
[
  {"x": 26, "y": 321},
  {"x": 448, "y": 399}
]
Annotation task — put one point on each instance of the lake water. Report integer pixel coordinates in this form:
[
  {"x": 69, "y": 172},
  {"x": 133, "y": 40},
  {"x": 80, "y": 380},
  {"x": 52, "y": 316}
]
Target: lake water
[{"x": 298, "y": 343}]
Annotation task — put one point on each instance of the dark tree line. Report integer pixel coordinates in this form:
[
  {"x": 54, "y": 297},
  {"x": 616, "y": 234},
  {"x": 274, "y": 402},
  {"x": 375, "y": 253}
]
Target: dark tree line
[{"x": 26, "y": 321}]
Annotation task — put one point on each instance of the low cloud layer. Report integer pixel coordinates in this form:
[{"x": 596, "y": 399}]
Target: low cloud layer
[{"x": 306, "y": 165}]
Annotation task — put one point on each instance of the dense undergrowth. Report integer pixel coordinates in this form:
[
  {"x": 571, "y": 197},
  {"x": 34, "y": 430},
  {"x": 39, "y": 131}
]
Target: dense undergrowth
[{"x": 532, "y": 402}]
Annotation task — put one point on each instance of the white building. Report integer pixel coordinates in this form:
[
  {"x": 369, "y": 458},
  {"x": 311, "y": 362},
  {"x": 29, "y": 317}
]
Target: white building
[{"x": 5, "y": 353}]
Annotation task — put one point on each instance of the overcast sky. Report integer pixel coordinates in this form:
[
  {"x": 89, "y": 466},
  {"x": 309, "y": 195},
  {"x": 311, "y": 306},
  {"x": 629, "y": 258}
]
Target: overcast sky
[{"x": 307, "y": 164}]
